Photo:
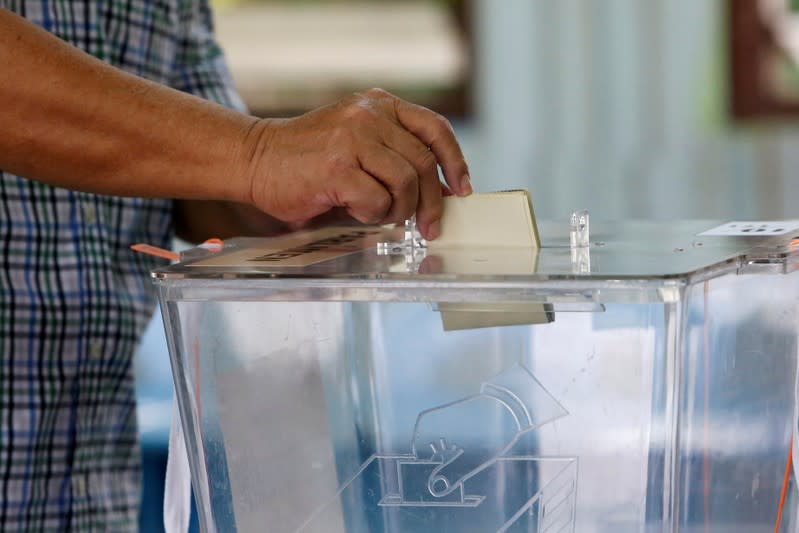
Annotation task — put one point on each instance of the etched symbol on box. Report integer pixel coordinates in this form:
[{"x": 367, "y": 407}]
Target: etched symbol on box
[{"x": 465, "y": 466}]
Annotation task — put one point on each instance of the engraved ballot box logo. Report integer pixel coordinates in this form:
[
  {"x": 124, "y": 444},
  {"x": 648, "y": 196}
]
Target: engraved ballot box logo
[{"x": 469, "y": 468}]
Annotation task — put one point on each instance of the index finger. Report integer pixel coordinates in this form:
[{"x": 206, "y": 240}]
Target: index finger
[{"x": 436, "y": 132}]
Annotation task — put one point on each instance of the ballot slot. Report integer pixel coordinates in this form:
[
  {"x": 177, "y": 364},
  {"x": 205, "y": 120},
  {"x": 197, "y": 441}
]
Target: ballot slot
[{"x": 489, "y": 233}]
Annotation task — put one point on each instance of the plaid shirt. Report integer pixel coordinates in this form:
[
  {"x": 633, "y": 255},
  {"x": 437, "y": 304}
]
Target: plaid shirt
[{"x": 74, "y": 299}]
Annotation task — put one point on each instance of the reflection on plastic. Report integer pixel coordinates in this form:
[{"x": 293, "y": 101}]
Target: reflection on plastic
[
  {"x": 413, "y": 247},
  {"x": 487, "y": 486},
  {"x": 579, "y": 229}
]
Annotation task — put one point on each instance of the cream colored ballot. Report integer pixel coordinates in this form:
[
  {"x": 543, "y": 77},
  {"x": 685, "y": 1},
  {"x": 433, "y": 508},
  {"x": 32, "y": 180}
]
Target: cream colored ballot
[
  {"x": 497, "y": 220},
  {"x": 499, "y": 227}
]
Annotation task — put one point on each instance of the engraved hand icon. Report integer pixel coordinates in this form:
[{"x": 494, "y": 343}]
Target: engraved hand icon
[
  {"x": 457, "y": 437},
  {"x": 467, "y": 436},
  {"x": 446, "y": 454}
]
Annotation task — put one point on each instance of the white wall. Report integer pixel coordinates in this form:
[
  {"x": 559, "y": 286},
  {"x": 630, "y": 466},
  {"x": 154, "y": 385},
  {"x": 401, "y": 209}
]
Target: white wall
[{"x": 618, "y": 106}]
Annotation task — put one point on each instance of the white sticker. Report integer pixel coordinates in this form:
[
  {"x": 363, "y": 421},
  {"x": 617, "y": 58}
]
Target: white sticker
[{"x": 760, "y": 228}]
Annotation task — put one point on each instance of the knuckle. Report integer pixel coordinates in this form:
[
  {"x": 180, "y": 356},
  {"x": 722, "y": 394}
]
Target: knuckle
[
  {"x": 363, "y": 111},
  {"x": 428, "y": 161},
  {"x": 377, "y": 93},
  {"x": 339, "y": 163},
  {"x": 359, "y": 112},
  {"x": 406, "y": 180},
  {"x": 342, "y": 137},
  {"x": 443, "y": 124},
  {"x": 381, "y": 204}
]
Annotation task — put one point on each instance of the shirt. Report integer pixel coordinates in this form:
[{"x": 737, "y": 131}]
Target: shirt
[{"x": 74, "y": 299}]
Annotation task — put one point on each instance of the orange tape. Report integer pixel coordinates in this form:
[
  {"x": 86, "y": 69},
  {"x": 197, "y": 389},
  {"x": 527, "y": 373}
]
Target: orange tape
[
  {"x": 786, "y": 478},
  {"x": 155, "y": 251},
  {"x": 213, "y": 245}
]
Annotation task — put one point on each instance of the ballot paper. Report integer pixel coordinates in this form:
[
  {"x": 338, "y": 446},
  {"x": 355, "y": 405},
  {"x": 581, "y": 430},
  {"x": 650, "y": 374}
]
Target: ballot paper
[
  {"x": 489, "y": 233},
  {"x": 502, "y": 219}
]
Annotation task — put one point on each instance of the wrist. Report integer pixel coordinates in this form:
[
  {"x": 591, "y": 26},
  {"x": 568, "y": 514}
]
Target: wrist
[{"x": 254, "y": 147}]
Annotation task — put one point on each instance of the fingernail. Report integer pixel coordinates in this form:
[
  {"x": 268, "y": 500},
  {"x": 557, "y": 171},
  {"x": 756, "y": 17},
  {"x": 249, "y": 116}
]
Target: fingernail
[
  {"x": 466, "y": 185},
  {"x": 434, "y": 230}
]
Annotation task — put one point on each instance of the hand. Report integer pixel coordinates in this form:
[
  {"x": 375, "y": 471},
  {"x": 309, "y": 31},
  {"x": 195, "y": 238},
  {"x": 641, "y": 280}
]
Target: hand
[
  {"x": 450, "y": 436},
  {"x": 372, "y": 154},
  {"x": 512, "y": 403}
]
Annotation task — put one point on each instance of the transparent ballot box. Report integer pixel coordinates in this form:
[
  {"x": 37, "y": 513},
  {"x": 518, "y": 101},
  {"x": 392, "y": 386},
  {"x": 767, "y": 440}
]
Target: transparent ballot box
[{"x": 350, "y": 380}]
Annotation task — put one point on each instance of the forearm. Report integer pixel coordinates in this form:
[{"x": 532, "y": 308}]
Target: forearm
[{"x": 72, "y": 121}]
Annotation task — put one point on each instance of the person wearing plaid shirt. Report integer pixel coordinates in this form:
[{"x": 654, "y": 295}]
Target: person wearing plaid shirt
[{"x": 99, "y": 131}]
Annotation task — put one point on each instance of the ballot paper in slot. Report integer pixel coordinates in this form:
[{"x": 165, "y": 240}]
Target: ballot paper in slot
[{"x": 492, "y": 234}]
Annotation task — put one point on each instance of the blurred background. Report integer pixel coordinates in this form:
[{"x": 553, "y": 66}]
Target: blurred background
[{"x": 664, "y": 109}]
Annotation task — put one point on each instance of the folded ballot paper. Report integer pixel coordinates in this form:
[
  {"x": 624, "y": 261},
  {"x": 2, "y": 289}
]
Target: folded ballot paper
[{"x": 489, "y": 233}]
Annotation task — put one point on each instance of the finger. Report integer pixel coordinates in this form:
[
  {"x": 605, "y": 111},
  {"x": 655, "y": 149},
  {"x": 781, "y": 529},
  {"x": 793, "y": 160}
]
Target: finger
[
  {"x": 364, "y": 198},
  {"x": 397, "y": 175},
  {"x": 436, "y": 132},
  {"x": 428, "y": 210},
  {"x": 431, "y": 264}
]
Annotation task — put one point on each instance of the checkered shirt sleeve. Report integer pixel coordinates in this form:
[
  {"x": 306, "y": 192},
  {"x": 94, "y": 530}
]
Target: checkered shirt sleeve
[{"x": 74, "y": 300}]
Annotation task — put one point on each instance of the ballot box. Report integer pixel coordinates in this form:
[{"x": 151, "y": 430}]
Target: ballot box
[{"x": 351, "y": 380}]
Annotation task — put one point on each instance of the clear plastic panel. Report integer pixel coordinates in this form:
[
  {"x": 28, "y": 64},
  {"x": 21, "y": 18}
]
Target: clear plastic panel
[
  {"x": 330, "y": 399},
  {"x": 357, "y": 417},
  {"x": 368, "y": 417},
  {"x": 736, "y": 401}
]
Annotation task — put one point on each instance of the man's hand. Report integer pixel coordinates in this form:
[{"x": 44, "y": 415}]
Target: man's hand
[{"x": 372, "y": 154}]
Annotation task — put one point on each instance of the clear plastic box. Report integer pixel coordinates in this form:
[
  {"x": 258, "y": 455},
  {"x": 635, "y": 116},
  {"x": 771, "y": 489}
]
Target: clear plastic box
[{"x": 326, "y": 396}]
